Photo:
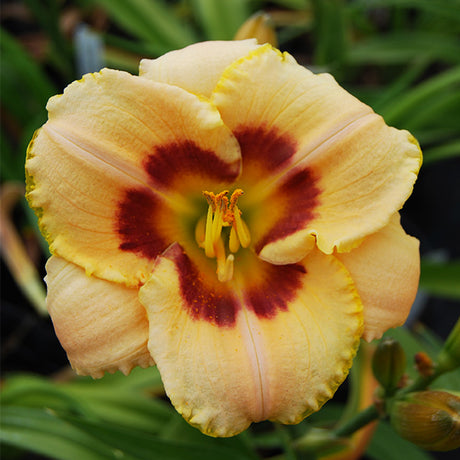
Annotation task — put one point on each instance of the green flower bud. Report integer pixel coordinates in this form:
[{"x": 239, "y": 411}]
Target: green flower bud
[
  {"x": 389, "y": 364},
  {"x": 449, "y": 358},
  {"x": 429, "y": 419}
]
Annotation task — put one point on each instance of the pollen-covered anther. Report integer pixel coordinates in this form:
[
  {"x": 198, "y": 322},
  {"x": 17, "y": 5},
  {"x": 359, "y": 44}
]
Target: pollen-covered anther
[{"x": 222, "y": 212}]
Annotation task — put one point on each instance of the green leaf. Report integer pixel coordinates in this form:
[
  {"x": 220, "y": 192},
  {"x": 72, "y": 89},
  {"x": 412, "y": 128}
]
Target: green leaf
[
  {"x": 388, "y": 93},
  {"x": 25, "y": 91},
  {"x": 25, "y": 87},
  {"x": 387, "y": 445},
  {"x": 142, "y": 445},
  {"x": 441, "y": 152},
  {"x": 330, "y": 32},
  {"x": 47, "y": 13},
  {"x": 125, "y": 406},
  {"x": 436, "y": 134},
  {"x": 32, "y": 391},
  {"x": 29, "y": 76},
  {"x": 441, "y": 279},
  {"x": 178, "y": 428},
  {"x": 401, "y": 47},
  {"x": 449, "y": 9},
  {"x": 220, "y": 19},
  {"x": 414, "y": 100},
  {"x": 139, "y": 380},
  {"x": 293, "y": 4},
  {"x": 127, "y": 409},
  {"x": 442, "y": 107},
  {"x": 40, "y": 431},
  {"x": 150, "y": 20}
]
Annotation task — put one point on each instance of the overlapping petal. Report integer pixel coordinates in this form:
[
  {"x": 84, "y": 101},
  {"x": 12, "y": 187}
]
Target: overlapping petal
[
  {"x": 236, "y": 353},
  {"x": 101, "y": 325},
  {"x": 198, "y": 67},
  {"x": 385, "y": 270},
  {"x": 295, "y": 127},
  {"x": 114, "y": 165}
]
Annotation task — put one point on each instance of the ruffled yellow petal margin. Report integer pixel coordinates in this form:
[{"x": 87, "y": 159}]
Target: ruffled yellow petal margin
[
  {"x": 282, "y": 367},
  {"x": 101, "y": 325}
]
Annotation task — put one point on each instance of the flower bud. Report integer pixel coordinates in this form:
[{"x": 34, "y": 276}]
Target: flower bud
[
  {"x": 258, "y": 26},
  {"x": 429, "y": 419},
  {"x": 449, "y": 358},
  {"x": 389, "y": 364}
]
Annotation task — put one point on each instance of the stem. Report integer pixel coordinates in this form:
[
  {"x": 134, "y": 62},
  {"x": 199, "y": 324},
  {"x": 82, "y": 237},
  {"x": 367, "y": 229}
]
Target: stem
[
  {"x": 420, "y": 383},
  {"x": 360, "y": 420},
  {"x": 318, "y": 439}
]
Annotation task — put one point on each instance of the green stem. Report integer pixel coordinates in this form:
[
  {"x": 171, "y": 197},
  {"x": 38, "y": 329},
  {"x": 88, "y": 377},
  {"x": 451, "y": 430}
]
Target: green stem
[
  {"x": 318, "y": 439},
  {"x": 420, "y": 383},
  {"x": 360, "y": 420}
]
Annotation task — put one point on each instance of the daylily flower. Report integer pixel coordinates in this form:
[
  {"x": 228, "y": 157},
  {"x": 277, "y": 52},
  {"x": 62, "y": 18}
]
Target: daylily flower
[{"x": 229, "y": 216}]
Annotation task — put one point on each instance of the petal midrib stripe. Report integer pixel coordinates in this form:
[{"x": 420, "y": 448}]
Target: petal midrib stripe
[{"x": 93, "y": 153}]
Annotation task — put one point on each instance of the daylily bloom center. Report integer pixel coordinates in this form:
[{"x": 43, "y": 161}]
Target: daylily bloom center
[{"x": 222, "y": 212}]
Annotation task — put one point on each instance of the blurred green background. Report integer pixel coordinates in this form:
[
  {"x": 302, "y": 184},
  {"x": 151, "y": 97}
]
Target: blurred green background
[{"x": 402, "y": 57}]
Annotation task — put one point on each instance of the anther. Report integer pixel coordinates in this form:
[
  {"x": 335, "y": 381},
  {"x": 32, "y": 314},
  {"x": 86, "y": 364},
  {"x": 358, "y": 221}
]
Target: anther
[
  {"x": 233, "y": 242},
  {"x": 241, "y": 228}
]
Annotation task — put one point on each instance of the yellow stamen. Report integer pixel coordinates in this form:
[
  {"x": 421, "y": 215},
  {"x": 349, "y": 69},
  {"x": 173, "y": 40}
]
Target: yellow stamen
[
  {"x": 217, "y": 222},
  {"x": 222, "y": 212},
  {"x": 208, "y": 243}
]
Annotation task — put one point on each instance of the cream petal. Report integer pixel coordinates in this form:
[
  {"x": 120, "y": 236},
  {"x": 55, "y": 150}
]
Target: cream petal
[
  {"x": 274, "y": 345},
  {"x": 198, "y": 67},
  {"x": 304, "y": 133},
  {"x": 386, "y": 270},
  {"x": 101, "y": 325}
]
